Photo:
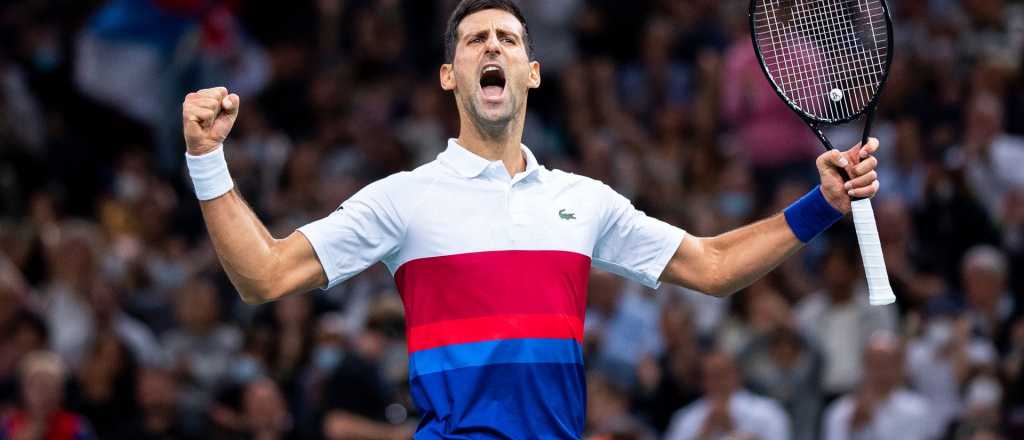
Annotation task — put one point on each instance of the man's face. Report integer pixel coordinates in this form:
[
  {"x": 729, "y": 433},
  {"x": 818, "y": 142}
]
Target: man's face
[
  {"x": 491, "y": 71},
  {"x": 721, "y": 378}
]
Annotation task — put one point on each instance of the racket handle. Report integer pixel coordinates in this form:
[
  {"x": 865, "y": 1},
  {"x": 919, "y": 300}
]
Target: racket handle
[{"x": 879, "y": 290}]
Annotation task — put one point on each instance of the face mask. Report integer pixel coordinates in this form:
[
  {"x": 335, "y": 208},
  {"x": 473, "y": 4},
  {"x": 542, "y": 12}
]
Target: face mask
[
  {"x": 735, "y": 204},
  {"x": 129, "y": 187},
  {"x": 939, "y": 332},
  {"x": 247, "y": 369},
  {"x": 327, "y": 358}
]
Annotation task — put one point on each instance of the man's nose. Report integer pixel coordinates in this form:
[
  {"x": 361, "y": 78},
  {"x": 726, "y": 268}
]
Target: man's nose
[{"x": 492, "y": 46}]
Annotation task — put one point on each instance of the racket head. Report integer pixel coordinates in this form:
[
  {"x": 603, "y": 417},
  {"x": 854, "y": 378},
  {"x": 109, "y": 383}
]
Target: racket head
[{"x": 827, "y": 59}]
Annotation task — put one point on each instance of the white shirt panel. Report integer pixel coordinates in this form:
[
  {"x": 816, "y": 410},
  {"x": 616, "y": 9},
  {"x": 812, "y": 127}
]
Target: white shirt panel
[{"x": 461, "y": 203}]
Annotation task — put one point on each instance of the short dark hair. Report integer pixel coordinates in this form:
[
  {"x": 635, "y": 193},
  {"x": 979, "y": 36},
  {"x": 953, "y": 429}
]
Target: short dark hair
[{"x": 468, "y": 7}]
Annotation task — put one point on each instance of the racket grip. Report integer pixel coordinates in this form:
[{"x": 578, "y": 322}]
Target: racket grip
[{"x": 879, "y": 290}]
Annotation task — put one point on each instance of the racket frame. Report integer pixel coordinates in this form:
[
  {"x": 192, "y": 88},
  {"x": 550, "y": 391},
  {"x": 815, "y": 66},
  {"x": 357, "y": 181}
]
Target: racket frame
[{"x": 815, "y": 123}]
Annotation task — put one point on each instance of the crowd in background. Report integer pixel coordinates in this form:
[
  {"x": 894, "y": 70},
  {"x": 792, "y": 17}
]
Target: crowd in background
[{"x": 116, "y": 321}]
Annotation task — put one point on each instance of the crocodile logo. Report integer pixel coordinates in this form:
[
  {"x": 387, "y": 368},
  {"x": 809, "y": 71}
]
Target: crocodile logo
[{"x": 566, "y": 215}]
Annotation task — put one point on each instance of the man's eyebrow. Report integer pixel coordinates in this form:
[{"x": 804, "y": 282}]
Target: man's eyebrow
[
  {"x": 503, "y": 32},
  {"x": 484, "y": 32}
]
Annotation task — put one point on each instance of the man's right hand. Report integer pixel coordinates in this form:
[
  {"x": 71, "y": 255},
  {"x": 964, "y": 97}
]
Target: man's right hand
[{"x": 208, "y": 116}]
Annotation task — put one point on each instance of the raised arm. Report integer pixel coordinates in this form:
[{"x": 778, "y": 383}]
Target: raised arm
[
  {"x": 261, "y": 267},
  {"x": 726, "y": 263}
]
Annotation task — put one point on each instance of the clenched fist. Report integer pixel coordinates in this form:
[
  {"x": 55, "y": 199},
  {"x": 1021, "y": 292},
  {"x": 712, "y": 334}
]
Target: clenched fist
[
  {"x": 208, "y": 116},
  {"x": 859, "y": 164}
]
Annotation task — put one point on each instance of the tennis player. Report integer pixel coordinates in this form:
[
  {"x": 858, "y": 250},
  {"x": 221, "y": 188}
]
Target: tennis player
[{"x": 489, "y": 249}]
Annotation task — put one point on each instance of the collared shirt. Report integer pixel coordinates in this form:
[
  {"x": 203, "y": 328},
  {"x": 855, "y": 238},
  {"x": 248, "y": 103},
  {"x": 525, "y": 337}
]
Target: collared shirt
[
  {"x": 751, "y": 414},
  {"x": 493, "y": 272}
]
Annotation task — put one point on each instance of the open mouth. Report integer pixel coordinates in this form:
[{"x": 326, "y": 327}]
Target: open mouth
[{"x": 492, "y": 82}]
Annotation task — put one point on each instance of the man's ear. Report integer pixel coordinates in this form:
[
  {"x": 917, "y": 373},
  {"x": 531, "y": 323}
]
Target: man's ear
[
  {"x": 534, "y": 74},
  {"x": 447, "y": 75}
]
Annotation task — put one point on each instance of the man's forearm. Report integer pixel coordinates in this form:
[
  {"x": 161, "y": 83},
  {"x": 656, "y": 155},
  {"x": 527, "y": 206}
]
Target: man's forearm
[
  {"x": 243, "y": 244},
  {"x": 748, "y": 253},
  {"x": 726, "y": 263}
]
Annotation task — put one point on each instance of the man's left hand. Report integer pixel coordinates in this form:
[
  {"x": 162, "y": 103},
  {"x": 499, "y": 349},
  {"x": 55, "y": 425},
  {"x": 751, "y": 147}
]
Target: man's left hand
[{"x": 859, "y": 164}]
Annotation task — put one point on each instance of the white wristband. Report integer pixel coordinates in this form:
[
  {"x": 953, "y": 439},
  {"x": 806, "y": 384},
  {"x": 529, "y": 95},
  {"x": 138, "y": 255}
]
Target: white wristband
[{"x": 209, "y": 174}]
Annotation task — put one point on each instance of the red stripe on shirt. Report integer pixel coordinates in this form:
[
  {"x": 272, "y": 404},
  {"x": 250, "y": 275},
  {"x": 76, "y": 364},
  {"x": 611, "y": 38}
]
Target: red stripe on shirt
[
  {"x": 439, "y": 334},
  {"x": 481, "y": 284}
]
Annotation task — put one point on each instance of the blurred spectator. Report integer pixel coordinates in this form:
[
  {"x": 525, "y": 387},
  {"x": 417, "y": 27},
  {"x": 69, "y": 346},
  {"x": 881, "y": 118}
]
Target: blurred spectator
[
  {"x": 72, "y": 251},
  {"x": 839, "y": 319},
  {"x": 881, "y": 407},
  {"x": 108, "y": 317},
  {"x": 785, "y": 366},
  {"x": 106, "y": 394},
  {"x": 672, "y": 380},
  {"x": 262, "y": 415},
  {"x": 992, "y": 155},
  {"x": 42, "y": 415},
  {"x": 156, "y": 392},
  {"x": 608, "y": 414},
  {"x": 942, "y": 360},
  {"x": 727, "y": 410},
  {"x": 26, "y": 332},
  {"x": 356, "y": 399},
  {"x": 911, "y": 271},
  {"x": 622, "y": 320},
  {"x": 989, "y": 305},
  {"x": 761, "y": 310},
  {"x": 656, "y": 80},
  {"x": 201, "y": 349},
  {"x": 981, "y": 408}
]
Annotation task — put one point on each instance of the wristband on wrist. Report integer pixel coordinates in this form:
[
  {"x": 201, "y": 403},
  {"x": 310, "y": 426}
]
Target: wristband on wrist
[
  {"x": 209, "y": 173},
  {"x": 811, "y": 215}
]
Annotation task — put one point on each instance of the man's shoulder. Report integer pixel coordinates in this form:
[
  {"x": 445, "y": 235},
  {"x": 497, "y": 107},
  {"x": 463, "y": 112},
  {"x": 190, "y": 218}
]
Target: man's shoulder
[{"x": 404, "y": 183}]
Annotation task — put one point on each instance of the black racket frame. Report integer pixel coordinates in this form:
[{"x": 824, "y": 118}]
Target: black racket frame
[{"x": 816, "y": 123}]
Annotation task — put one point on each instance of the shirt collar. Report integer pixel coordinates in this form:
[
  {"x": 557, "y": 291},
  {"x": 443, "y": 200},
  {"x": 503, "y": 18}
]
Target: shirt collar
[{"x": 469, "y": 165}]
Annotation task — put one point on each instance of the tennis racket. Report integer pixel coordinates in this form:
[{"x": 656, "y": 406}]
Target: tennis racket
[{"x": 829, "y": 60}]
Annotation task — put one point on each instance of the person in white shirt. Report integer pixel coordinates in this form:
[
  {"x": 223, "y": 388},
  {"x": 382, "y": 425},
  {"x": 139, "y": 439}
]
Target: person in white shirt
[
  {"x": 881, "y": 408},
  {"x": 839, "y": 319},
  {"x": 727, "y": 411},
  {"x": 491, "y": 251}
]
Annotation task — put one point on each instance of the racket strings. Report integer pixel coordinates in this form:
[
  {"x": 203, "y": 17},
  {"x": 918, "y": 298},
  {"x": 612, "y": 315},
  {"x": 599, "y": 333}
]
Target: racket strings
[{"x": 828, "y": 57}]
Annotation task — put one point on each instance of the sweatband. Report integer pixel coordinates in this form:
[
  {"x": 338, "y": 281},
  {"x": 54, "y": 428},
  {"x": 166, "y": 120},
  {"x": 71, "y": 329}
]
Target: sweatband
[
  {"x": 209, "y": 174},
  {"x": 811, "y": 215}
]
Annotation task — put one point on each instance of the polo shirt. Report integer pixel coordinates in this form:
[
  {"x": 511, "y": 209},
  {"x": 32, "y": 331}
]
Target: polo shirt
[{"x": 492, "y": 270}]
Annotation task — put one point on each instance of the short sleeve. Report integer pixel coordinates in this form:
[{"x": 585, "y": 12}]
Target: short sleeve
[
  {"x": 631, "y": 244},
  {"x": 364, "y": 230}
]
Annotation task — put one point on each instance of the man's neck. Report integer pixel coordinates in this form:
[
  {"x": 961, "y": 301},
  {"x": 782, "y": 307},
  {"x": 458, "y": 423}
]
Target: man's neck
[{"x": 505, "y": 148}]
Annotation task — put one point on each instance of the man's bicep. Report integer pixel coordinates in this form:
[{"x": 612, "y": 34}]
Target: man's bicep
[
  {"x": 306, "y": 271},
  {"x": 685, "y": 268}
]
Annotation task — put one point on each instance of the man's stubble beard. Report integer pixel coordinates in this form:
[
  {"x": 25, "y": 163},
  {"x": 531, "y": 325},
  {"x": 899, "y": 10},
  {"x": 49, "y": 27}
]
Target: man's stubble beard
[{"x": 494, "y": 130}]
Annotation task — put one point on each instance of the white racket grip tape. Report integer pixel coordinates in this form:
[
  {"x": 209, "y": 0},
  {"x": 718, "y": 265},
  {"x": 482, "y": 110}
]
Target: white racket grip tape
[{"x": 879, "y": 290}]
